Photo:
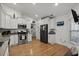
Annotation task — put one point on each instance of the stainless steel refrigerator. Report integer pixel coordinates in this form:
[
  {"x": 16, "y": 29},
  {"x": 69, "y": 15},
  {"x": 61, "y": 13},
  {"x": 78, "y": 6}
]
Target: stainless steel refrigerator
[{"x": 44, "y": 33}]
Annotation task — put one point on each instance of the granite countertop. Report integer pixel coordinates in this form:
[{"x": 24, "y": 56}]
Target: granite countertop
[{"x": 2, "y": 39}]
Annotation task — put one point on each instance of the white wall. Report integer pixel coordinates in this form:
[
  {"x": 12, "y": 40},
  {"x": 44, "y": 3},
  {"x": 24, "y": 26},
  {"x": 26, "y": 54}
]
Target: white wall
[
  {"x": 48, "y": 21},
  {"x": 75, "y": 26},
  {"x": 63, "y": 32}
]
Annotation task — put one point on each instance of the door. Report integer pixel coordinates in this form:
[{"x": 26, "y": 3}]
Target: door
[{"x": 44, "y": 33}]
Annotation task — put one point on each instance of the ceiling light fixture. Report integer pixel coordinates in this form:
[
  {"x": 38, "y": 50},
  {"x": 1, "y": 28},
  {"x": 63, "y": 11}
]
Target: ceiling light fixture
[
  {"x": 34, "y": 3},
  {"x": 14, "y": 3},
  {"x": 36, "y": 15},
  {"x": 56, "y": 4}
]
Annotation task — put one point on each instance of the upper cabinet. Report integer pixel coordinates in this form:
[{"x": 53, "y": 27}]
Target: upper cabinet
[
  {"x": 9, "y": 17},
  {"x": 52, "y": 23},
  {"x": 45, "y": 21},
  {"x": 7, "y": 22},
  {"x": 2, "y": 19}
]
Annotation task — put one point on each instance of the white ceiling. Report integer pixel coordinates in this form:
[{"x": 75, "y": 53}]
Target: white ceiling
[{"x": 42, "y": 9}]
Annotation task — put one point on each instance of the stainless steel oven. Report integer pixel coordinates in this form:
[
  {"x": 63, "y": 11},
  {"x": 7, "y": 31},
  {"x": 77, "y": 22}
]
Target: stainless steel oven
[{"x": 22, "y": 34}]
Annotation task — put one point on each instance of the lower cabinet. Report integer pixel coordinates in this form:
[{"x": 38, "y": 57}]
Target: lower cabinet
[
  {"x": 51, "y": 38},
  {"x": 13, "y": 40},
  {"x": 4, "y": 49},
  {"x": 29, "y": 38},
  {"x": 6, "y": 52}
]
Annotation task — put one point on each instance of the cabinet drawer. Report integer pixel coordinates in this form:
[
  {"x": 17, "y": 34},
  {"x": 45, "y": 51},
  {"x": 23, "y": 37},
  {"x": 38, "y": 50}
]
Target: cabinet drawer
[
  {"x": 3, "y": 48},
  {"x": 51, "y": 39}
]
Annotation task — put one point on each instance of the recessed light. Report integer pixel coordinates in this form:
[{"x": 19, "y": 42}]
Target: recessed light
[
  {"x": 36, "y": 15},
  {"x": 14, "y": 3},
  {"x": 34, "y": 3},
  {"x": 56, "y": 4}
]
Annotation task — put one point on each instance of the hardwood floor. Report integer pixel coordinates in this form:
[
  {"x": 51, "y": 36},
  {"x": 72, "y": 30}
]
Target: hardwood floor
[{"x": 37, "y": 48}]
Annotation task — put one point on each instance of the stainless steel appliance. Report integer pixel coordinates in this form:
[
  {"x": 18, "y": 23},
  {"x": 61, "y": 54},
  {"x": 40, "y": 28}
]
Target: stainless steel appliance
[
  {"x": 22, "y": 34},
  {"x": 44, "y": 33}
]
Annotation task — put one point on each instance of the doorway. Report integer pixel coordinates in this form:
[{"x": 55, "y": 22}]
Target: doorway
[{"x": 33, "y": 30}]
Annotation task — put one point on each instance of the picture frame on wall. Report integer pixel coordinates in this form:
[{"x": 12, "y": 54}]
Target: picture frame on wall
[{"x": 60, "y": 23}]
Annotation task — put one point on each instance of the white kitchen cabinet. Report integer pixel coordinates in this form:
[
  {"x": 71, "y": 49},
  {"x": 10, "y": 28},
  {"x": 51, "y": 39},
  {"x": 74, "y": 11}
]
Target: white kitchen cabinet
[
  {"x": 0, "y": 17},
  {"x": 45, "y": 21},
  {"x": 28, "y": 25},
  {"x": 4, "y": 49},
  {"x": 51, "y": 38},
  {"x": 14, "y": 23},
  {"x": 13, "y": 39},
  {"x": 52, "y": 23},
  {"x": 24, "y": 21},
  {"x": 19, "y": 21},
  {"x": 16, "y": 39},
  {"x": 8, "y": 22},
  {"x": 29, "y": 37},
  {"x": 6, "y": 52},
  {"x": 2, "y": 20}
]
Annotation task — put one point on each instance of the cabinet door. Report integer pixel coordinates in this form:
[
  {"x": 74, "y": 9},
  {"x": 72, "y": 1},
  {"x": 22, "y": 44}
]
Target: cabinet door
[
  {"x": 28, "y": 25},
  {"x": 52, "y": 24},
  {"x": 8, "y": 21},
  {"x": 3, "y": 20},
  {"x": 23, "y": 21},
  {"x": 13, "y": 39},
  {"x": 51, "y": 39},
  {"x": 13, "y": 24},
  {"x": 19, "y": 21},
  {"x": 29, "y": 37},
  {"x": 6, "y": 52}
]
